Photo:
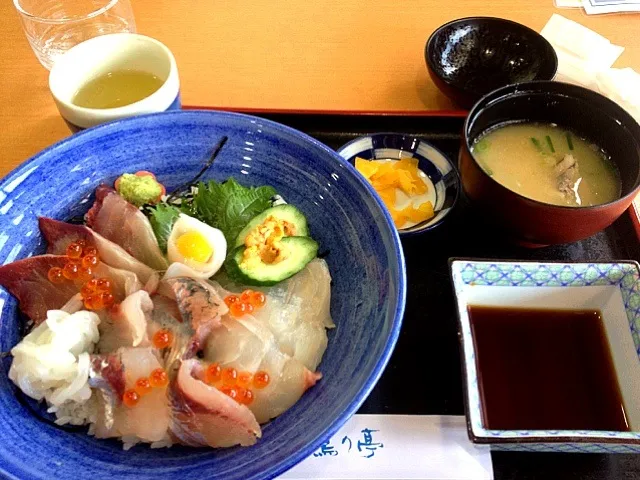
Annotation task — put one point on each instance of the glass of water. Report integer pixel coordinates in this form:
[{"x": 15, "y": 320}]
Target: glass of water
[{"x": 54, "y": 26}]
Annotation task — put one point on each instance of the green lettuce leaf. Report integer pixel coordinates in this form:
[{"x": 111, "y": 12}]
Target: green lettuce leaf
[
  {"x": 162, "y": 217},
  {"x": 229, "y": 206}
]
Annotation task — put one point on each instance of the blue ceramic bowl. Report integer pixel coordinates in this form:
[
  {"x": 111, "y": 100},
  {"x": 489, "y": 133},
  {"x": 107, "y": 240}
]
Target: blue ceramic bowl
[
  {"x": 364, "y": 257},
  {"x": 431, "y": 161}
]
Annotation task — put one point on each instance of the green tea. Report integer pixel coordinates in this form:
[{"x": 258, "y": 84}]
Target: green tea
[{"x": 116, "y": 89}]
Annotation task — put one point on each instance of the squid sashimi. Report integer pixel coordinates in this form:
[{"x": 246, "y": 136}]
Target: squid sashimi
[
  {"x": 297, "y": 312},
  {"x": 59, "y": 235},
  {"x": 246, "y": 344},
  {"x": 148, "y": 419},
  {"x": 125, "y": 324},
  {"x": 121, "y": 222},
  {"x": 204, "y": 416}
]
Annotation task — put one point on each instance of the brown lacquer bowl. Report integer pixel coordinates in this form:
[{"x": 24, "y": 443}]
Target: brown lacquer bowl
[{"x": 583, "y": 111}]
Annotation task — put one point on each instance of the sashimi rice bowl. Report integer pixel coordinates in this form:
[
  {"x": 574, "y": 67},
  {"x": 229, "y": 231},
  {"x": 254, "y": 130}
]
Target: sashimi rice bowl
[{"x": 184, "y": 281}]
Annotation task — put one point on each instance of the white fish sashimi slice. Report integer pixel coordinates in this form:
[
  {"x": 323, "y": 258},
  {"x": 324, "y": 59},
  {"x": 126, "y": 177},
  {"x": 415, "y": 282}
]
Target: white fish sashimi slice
[
  {"x": 204, "y": 416},
  {"x": 298, "y": 313},
  {"x": 191, "y": 309},
  {"x": 126, "y": 324},
  {"x": 149, "y": 419},
  {"x": 247, "y": 344}
]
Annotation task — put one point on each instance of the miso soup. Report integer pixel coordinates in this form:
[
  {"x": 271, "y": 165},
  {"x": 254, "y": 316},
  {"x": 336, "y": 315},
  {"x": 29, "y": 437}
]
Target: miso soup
[{"x": 548, "y": 163}]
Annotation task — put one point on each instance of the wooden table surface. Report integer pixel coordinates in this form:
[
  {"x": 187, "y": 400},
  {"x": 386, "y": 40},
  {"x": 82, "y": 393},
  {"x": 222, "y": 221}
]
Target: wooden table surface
[{"x": 285, "y": 54}]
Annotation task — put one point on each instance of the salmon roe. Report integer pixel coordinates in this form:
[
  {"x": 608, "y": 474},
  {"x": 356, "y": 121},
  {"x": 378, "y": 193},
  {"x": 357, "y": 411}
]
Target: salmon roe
[
  {"x": 107, "y": 299},
  {"x": 97, "y": 294},
  {"x": 55, "y": 275},
  {"x": 229, "y": 376},
  {"x": 261, "y": 379},
  {"x": 90, "y": 261},
  {"x": 236, "y": 384},
  {"x": 245, "y": 396},
  {"x": 229, "y": 391},
  {"x": 244, "y": 379},
  {"x": 74, "y": 250},
  {"x": 213, "y": 374},
  {"x": 159, "y": 378},
  {"x": 103, "y": 284},
  {"x": 130, "y": 398},
  {"x": 258, "y": 299},
  {"x": 162, "y": 338},
  {"x": 143, "y": 386},
  {"x": 238, "y": 309},
  {"x": 85, "y": 273},
  {"x": 245, "y": 303},
  {"x": 231, "y": 299},
  {"x": 80, "y": 267},
  {"x": 71, "y": 271}
]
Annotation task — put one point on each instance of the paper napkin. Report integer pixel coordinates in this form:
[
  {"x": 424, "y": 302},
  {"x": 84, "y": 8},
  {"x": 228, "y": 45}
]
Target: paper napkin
[{"x": 586, "y": 58}]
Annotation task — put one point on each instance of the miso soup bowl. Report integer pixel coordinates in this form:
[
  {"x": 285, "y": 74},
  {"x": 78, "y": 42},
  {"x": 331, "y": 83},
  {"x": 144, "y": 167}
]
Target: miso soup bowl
[{"x": 584, "y": 112}]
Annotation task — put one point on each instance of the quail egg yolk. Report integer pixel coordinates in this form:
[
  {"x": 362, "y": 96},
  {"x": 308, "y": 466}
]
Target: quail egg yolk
[
  {"x": 264, "y": 244},
  {"x": 194, "y": 245}
]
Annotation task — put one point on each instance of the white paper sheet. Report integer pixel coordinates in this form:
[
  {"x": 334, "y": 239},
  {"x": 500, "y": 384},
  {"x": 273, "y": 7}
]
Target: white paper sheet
[
  {"x": 412, "y": 447},
  {"x": 586, "y": 58},
  {"x": 595, "y": 7}
]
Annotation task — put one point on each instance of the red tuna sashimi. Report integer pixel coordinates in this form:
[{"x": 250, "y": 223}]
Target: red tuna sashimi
[
  {"x": 27, "y": 281},
  {"x": 60, "y": 234},
  {"x": 202, "y": 415},
  {"x": 121, "y": 222}
]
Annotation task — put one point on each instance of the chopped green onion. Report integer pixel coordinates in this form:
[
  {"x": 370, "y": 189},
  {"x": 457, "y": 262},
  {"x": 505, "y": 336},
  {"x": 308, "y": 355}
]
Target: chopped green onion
[
  {"x": 550, "y": 143},
  {"x": 537, "y": 144},
  {"x": 485, "y": 167},
  {"x": 481, "y": 145},
  {"x": 569, "y": 141}
]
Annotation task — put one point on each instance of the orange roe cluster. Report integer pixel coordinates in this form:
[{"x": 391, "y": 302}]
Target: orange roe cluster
[
  {"x": 82, "y": 261},
  {"x": 236, "y": 385},
  {"x": 162, "y": 338},
  {"x": 97, "y": 294},
  {"x": 144, "y": 385},
  {"x": 245, "y": 303}
]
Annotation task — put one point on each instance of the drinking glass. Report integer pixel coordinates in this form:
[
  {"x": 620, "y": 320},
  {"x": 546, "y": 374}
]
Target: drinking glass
[{"x": 54, "y": 26}]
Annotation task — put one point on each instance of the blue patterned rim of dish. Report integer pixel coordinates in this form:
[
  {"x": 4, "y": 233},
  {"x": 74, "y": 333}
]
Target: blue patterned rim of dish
[
  {"x": 431, "y": 161},
  {"x": 465, "y": 273}
]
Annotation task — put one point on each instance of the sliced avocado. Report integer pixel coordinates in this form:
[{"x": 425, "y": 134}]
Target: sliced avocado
[
  {"x": 298, "y": 251},
  {"x": 288, "y": 213}
]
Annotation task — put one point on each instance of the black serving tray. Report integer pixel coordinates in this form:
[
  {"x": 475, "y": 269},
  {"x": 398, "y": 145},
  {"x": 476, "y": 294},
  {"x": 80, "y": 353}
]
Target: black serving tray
[{"x": 424, "y": 374}]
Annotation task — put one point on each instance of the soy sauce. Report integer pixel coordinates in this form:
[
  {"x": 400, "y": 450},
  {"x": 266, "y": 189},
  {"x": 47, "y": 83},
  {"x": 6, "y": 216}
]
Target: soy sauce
[{"x": 545, "y": 370}]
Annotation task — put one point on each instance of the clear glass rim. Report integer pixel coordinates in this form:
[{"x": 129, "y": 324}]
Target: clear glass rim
[{"x": 37, "y": 18}]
